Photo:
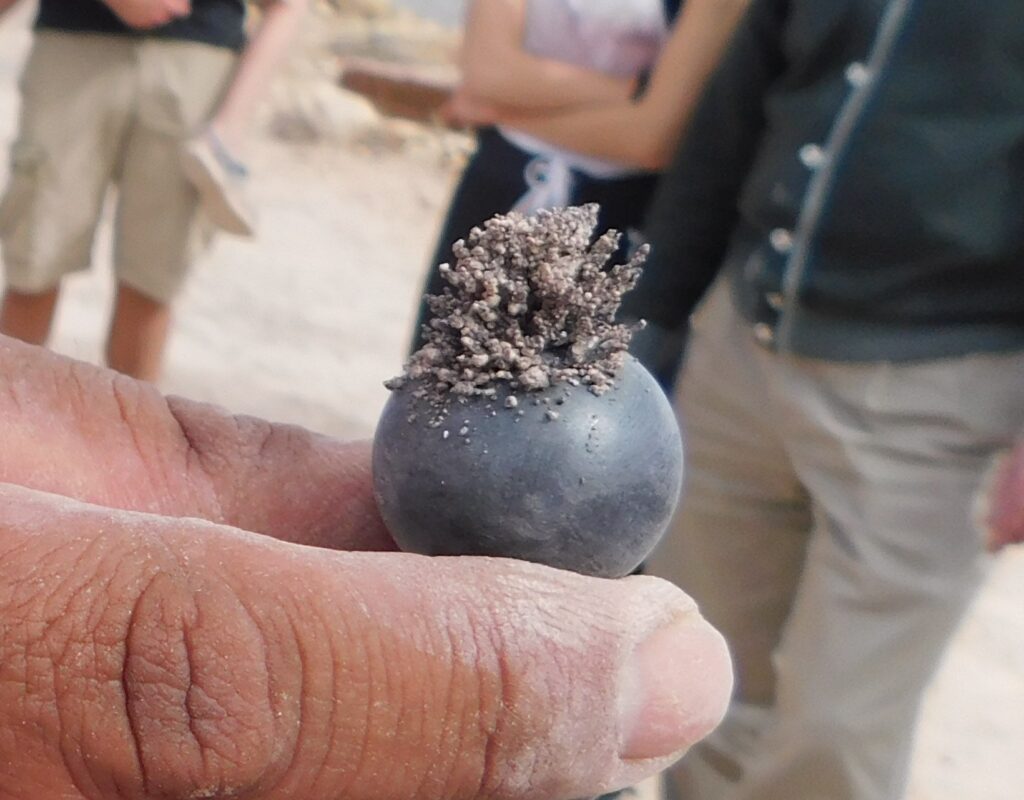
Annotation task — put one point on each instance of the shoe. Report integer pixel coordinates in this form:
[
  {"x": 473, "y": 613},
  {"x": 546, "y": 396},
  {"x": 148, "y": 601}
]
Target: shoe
[{"x": 221, "y": 181}]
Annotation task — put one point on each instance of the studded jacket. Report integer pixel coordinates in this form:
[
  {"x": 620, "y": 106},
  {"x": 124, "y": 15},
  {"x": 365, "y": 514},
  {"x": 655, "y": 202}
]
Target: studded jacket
[{"x": 857, "y": 168}]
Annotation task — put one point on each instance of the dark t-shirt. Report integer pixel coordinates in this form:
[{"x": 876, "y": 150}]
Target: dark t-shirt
[{"x": 217, "y": 22}]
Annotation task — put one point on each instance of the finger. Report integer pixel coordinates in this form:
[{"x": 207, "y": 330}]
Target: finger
[
  {"x": 146, "y": 656},
  {"x": 89, "y": 433}
]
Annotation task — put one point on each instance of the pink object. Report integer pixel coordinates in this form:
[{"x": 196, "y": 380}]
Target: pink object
[{"x": 1001, "y": 500}]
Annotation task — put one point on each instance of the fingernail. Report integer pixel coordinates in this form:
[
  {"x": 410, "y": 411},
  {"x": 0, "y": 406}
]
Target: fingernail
[{"x": 675, "y": 689}]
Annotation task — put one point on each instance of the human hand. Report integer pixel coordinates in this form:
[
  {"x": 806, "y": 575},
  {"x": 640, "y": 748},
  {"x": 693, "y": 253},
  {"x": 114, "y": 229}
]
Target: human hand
[
  {"x": 145, "y": 14},
  {"x": 1000, "y": 511},
  {"x": 172, "y": 623}
]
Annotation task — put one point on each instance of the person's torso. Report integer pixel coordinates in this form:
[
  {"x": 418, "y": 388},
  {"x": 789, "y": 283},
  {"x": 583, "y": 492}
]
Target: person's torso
[
  {"x": 619, "y": 37},
  {"x": 216, "y": 22},
  {"x": 890, "y": 179}
]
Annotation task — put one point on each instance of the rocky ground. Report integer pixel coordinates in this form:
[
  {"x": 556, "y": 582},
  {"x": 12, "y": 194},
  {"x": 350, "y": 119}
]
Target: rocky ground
[{"x": 304, "y": 323}]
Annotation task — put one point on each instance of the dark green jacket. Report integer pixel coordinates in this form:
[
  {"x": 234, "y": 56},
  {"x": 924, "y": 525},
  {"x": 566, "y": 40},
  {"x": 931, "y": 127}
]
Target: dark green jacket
[{"x": 857, "y": 166}]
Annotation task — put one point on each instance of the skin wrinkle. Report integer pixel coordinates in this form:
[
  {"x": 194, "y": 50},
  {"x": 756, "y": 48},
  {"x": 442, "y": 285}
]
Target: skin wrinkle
[
  {"x": 170, "y": 699},
  {"x": 126, "y": 690},
  {"x": 224, "y": 454},
  {"x": 438, "y": 730},
  {"x": 207, "y": 691},
  {"x": 374, "y": 607},
  {"x": 507, "y": 774},
  {"x": 332, "y": 713},
  {"x": 68, "y": 631},
  {"x": 495, "y": 731},
  {"x": 258, "y": 737},
  {"x": 189, "y": 704},
  {"x": 10, "y": 386},
  {"x": 378, "y": 666},
  {"x": 119, "y": 389},
  {"x": 80, "y": 396},
  {"x": 302, "y": 720},
  {"x": 69, "y": 649},
  {"x": 263, "y": 443},
  {"x": 352, "y": 641},
  {"x": 193, "y": 457},
  {"x": 284, "y": 651},
  {"x": 200, "y": 461},
  {"x": 453, "y": 722},
  {"x": 461, "y": 724},
  {"x": 264, "y": 653}
]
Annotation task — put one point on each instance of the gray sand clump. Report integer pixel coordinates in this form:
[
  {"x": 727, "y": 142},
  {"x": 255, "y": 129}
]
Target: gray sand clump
[{"x": 531, "y": 304}]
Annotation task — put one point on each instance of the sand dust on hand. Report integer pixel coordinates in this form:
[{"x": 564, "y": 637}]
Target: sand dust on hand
[{"x": 531, "y": 303}]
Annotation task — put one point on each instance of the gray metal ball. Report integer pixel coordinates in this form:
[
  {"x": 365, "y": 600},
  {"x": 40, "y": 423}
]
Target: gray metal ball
[{"x": 568, "y": 479}]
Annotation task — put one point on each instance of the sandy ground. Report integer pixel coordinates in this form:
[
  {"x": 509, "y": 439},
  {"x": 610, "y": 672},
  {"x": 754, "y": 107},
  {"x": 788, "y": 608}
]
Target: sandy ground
[{"x": 304, "y": 324}]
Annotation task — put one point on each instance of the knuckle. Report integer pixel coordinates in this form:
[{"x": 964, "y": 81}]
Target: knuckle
[
  {"x": 486, "y": 712},
  {"x": 196, "y": 690}
]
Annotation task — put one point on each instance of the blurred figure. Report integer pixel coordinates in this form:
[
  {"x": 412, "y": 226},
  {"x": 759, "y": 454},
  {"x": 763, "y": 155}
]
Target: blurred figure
[
  {"x": 580, "y": 102},
  {"x": 848, "y": 197},
  {"x": 110, "y": 93},
  {"x": 212, "y": 158},
  {"x": 545, "y": 56},
  {"x": 638, "y": 130}
]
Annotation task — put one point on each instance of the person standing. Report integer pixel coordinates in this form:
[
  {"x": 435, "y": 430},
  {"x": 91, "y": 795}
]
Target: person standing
[
  {"x": 846, "y": 209},
  {"x": 578, "y": 103},
  {"x": 116, "y": 94},
  {"x": 543, "y": 57}
]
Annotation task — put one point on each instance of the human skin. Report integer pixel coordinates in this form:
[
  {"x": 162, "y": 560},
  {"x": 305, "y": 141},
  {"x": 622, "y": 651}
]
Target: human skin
[
  {"x": 6, "y": 5},
  {"x": 179, "y": 618},
  {"x": 497, "y": 69},
  {"x": 267, "y": 48},
  {"x": 641, "y": 133},
  {"x": 143, "y": 14},
  {"x": 1001, "y": 512}
]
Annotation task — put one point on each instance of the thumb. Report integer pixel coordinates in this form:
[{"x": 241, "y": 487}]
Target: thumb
[{"x": 176, "y": 657}]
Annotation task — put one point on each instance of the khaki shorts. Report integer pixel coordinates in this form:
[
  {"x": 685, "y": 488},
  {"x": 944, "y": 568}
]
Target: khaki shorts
[{"x": 101, "y": 111}]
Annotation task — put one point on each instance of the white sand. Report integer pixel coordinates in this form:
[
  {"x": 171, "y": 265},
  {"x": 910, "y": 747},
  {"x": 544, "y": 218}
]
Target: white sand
[{"x": 306, "y": 322}]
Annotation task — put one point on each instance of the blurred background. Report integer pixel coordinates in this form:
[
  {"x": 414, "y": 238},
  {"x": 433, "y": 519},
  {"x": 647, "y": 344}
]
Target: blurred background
[{"x": 304, "y": 322}]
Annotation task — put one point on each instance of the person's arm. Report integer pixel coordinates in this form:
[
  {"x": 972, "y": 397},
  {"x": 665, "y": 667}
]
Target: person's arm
[
  {"x": 261, "y": 58},
  {"x": 695, "y": 208},
  {"x": 496, "y": 68},
  {"x": 145, "y": 14},
  {"x": 644, "y": 133},
  {"x": 7, "y": 5}
]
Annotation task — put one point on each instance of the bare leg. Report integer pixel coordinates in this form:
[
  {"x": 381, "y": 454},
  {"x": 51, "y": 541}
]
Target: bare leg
[
  {"x": 28, "y": 317},
  {"x": 138, "y": 334},
  {"x": 211, "y": 160},
  {"x": 258, "y": 63}
]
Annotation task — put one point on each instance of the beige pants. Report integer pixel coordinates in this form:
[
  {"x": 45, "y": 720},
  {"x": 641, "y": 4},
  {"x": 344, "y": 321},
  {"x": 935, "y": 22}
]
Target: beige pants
[
  {"x": 101, "y": 111},
  {"x": 825, "y": 529}
]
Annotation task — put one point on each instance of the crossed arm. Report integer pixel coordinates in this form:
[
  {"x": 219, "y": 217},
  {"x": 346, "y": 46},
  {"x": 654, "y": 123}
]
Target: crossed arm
[
  {"x": 643, "y": 133},
  {"x": 498, "y": 70}
]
